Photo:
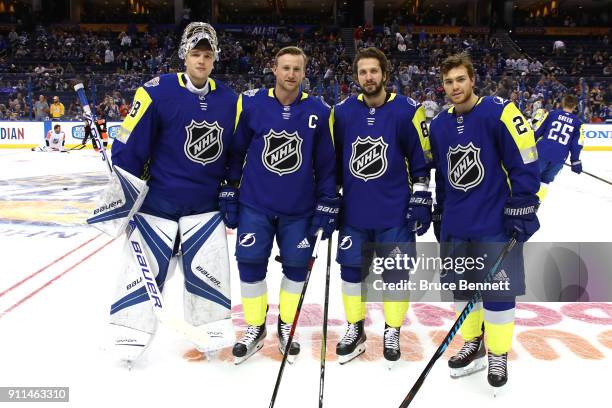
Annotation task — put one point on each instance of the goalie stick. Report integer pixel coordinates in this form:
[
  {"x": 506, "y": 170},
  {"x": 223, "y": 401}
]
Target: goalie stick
[
  {"x": 451, "y": 334},
  {"x": 209, "y": 337}
]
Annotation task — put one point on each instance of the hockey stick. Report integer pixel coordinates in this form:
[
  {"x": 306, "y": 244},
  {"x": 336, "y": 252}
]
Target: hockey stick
[
  {"x": 209, "y": 337},
  {"x": 91, "y": 121},
  {"x": 324, "y": 338},
  {"x": 592, "y": 175},
  {"x": 453, "y": 331},
  {"x": 296, "y": 317}
]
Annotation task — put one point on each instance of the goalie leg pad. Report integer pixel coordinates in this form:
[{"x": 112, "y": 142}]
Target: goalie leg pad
[
  {"x": 205, "y": 263},
  {"x": 132, "y": 309}
]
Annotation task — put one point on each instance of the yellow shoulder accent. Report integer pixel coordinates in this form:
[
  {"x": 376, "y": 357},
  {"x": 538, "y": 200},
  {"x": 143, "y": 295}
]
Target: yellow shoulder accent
[
  {"x": 238, "y": 111},
  {"x": 450, "y": 110},
  {"x": 360, "y": 97},
  {"x": 271, "y": 92},
  {"x": 420, "y": 124},
  {"x": 539, "y": 117},
  {"x": 521, "y": 132},
  {"x": 392, "y": 97},
  {"x": 213, "y": 84},
  {"x": 332, "y": 120},
  {"x": 141, "y": 103},
  {"x": 581, "y": 138},
  {"x": 304, "y": 96},
  {"x": 180, "y": 79}
]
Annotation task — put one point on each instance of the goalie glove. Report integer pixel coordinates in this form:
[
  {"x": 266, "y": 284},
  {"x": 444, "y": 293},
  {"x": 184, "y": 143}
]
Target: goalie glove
[{"x": 118, "y": 202}]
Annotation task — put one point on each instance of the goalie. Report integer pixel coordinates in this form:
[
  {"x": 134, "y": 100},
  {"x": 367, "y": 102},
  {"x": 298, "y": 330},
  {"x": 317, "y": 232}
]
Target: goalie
[{"x": 175, "y": 137}]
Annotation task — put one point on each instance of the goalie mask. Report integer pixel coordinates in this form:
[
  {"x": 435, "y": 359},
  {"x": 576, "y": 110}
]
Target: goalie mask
[{"x": 193, "y": 34}]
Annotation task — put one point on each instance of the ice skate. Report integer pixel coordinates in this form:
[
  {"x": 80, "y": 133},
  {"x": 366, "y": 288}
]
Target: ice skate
[
  {"x": 352, "y": 343},
  {"x": 469, "y": 360},
  {"x": 391, "y": 345},
  {"x": 283, "y": 330},
  {"x": 251, "y": 342}
]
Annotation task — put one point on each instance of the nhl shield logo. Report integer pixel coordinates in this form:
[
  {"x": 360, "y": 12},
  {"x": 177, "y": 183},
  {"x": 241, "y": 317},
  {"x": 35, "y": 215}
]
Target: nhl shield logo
[
  {"x": 368, "y": 158},
  {"x": 282, "y": 153},
  {"x": 204, "y": 143},
  {"x": 465, "y": 170}
]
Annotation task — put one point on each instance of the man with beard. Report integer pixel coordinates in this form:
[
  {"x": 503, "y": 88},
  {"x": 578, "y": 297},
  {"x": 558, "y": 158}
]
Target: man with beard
[
  {"x": 382, "y": 149},
  {"x": 487, "y": 177}
]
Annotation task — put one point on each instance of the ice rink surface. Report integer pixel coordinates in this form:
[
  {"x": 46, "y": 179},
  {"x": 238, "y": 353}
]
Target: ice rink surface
[{"x": 55, "y": 289}]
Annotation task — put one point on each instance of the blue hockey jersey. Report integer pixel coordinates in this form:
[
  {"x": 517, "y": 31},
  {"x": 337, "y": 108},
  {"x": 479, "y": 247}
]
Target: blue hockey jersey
[
  {"x": 380, "y": 151},
  {"x": 283, "y": 155},
  {"x": 557, "y": 134},
  {"x": 481, "y": 158},
  {"x": 179, "y": 138}
]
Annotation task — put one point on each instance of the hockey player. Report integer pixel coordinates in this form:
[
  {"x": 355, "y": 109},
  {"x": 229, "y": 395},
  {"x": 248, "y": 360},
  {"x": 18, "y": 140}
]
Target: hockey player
[
  {"x": 486, "y": 183},
  {"x": 381, "y": 144},
  {"x": 288, "y": 175},
  {"x": 101, "y": 125},
  {"x": 558, "y": 133},
  {"x": 176, "y": 137},
  {"x": 54, "y": 141}
]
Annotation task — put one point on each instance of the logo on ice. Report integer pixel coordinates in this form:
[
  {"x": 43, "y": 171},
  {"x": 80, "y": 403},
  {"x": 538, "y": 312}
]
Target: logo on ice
[
  {"x": 465, "y": 170},
  {"x": 368, "y": 158},
  {"x": 204, "y": 142},
  {"x": 282, "y": 153}
]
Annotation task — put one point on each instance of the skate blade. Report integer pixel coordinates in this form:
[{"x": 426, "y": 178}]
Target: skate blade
[
  {"x": 390, "y": 364},
  {"x": 359, "y": 350},
  {"x": 495, "y": 391},
  {"x": 240, "y": 360},
  {"x": 474, "y": 367}
]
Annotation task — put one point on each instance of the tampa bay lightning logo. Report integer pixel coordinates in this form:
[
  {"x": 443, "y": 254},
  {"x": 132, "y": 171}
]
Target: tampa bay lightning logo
[
  {"x": 368, "y": 158},
  {"x": 247, "y": 239},
  {"x": 282, "y": 153},
  {"x": 204, "y": 142},
  {"x": 345, "y": 242}
]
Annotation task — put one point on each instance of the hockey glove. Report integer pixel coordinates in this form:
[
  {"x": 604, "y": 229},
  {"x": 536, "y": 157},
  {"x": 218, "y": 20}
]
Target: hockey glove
[
  {"x": 577, "y": 166},
  {"x": 325, "y": 216},
  {"x": 436, "y": 218},
  {"x": 419, "y": 212},
  {"x": 228, "y": 205},
  {"x": 520, "y": 217}
]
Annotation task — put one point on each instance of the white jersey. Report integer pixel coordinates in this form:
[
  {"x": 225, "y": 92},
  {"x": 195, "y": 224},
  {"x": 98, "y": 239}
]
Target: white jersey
[{"x": 56, "y": 140}]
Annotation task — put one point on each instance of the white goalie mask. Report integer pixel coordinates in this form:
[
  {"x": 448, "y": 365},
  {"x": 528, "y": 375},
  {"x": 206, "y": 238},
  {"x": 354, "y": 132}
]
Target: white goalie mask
[{"x": 193, "y": 34}]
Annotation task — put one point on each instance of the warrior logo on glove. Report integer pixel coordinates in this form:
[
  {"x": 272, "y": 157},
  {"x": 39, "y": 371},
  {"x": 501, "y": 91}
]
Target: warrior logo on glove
[
  {"x": 465, "y": 170},
  {"x": 204, "y": 143},
  {"x": 282, "y": 153},
  {"x": 368, "y": 158}
]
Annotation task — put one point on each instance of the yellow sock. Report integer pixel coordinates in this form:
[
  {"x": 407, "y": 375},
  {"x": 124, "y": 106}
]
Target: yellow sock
[{"x": 395, "y": 311}]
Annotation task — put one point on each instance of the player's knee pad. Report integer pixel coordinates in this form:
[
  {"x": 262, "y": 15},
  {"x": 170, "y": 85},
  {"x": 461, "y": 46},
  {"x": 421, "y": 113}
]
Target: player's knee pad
[
  {"x": 254, "y": 302},
  {"x": 205, "y": 263},
  {"x": 289, "y": 298},
  {"x": 252, "y": 272},
  {"x": 351, "y": 274},
  {"x": 295, "y": 273},
  {"x": 354, "y": 306},
  {"x": 499, "y": 325},
  {"x": 132, "y": 309},
  {"x": 472, "y": 325}
]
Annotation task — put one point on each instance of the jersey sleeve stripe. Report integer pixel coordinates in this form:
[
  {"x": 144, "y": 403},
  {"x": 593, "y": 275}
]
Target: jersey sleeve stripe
[
  {"x": 141, "y": 103},
  {"x": 521, "y": 133},
  {"x": 238, "y": 111},
  {"x": 331, "y": 121}
]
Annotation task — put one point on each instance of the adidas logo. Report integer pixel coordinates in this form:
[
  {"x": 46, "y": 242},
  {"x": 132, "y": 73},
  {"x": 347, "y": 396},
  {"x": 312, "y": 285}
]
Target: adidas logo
[
  {"x": 395, "y": 252},
  {"x": 303, "y": 244},
  {"x": 501, "y": 276}
]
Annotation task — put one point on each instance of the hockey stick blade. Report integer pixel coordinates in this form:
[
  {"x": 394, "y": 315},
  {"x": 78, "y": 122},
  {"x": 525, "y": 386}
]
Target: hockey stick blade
[{"x": 457, "y": 325}]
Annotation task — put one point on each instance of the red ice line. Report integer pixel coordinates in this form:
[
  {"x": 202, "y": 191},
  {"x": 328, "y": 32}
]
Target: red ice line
[
  {"x": 52, "y": 280},
  {"x": 27, "y": 278}
]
